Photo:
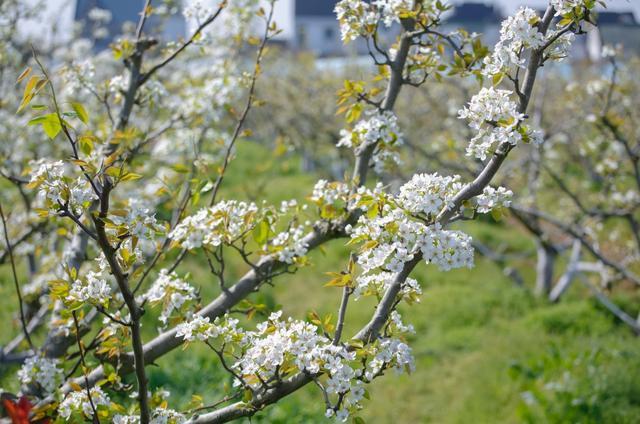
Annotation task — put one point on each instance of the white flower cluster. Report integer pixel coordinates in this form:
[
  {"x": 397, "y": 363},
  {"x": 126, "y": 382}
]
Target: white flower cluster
[
  {"x": 219, "y": 88},
  {"x": 118, "y": 85},
  {"x": 396, "y": 325},
  {"x": 200, "y": 328},
  {"x": 559, "y": 49},
  {"x": 93, "y": 289},
  {"x": 158, "y": 416},
  {"x": 41, "y": 371},
  {"x": 221, "y": 224},
  {"x": 404, "y": 226},
  {"x": 289, "y": 244},
  {"x": 78, "y": 402},
  {"x": 377, "y": 285},
  {"x": 429, "y": 193},
  {"x": 338, "y": 194},
  {"x": 517, "y": 33},
  {"x": 140, "y": 220},
  {"x": 628, "y": 199},
  {"x": 566, "y": 6},
  {"x": 328, "y": 193},
  {"x": 492, "y": 198},
  {"x": 79, "y": 76},
  {"x": 497, "y": 120},
  {"x": 172, "y": 292},
  {"x": 395, "y": 239},
  {"x": 379, "y": 129},
  {"x": 391, "y": 351},
  {"x": 276, "y": 343},
  {"x": 48, "y": 177},
  {"x": 99, "y": 15},
  {"x": 196, "y": 10},
  {"x": 359, "y": 18}
]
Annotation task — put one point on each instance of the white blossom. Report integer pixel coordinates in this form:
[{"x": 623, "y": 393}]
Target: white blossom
[
  {"x": 429, "y": 193},
  {"x": 566, "y": 6},
  {"x": 377, "y": 285},
  {"x": 198, "y": 328},
  {"x": 170, "y": 291},
  {"x": 223, "y": 223},
  {"x": 496, "y": 119},
  {"x": 518, "y": 32},
  {"x": 78, "y": 401},
  {"x": 492, "y": 198},
  {"x": 140, "y": 220},
  {"x": 99, "y": 15},
  {"x": 93, "y": 288},
  {"x": 328, "y": 193},
  {"x": 290, "y": 244},
  {"x": 41, "y": 371},
  {"x": 380, "y": 129},
  {"x": 359, "y": 18}
]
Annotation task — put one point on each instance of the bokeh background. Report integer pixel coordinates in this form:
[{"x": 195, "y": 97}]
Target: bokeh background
[{"x": 488, "y": 349}]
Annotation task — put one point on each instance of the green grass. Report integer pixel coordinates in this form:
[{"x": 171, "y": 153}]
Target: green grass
[{"x": 483, "y": 345}]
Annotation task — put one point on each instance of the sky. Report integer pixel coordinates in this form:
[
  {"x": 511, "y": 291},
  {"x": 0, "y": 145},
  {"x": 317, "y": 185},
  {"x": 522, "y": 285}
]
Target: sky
[{"x": 62, "y": 11}]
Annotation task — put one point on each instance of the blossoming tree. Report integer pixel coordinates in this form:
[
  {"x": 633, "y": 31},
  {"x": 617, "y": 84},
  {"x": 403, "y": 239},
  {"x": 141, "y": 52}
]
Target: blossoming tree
[{"x": 130, "y": 184}]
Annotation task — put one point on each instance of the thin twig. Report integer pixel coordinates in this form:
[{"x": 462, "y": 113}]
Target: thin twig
[
  {"x": 23, "y": 320},
  {"x": 95, "y": 418}
]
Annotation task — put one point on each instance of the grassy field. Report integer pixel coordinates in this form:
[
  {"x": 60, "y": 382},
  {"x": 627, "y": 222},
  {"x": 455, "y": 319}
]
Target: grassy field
[{"x": 486, "y": 350}]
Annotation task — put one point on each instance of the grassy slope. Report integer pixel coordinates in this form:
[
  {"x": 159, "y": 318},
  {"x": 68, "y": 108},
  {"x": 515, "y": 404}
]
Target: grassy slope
[{"x": 481, "y": 341}]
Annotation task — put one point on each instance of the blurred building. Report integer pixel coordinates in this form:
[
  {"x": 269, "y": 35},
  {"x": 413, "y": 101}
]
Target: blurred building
[
  {"x": 316, "y": 29},
  {"x": 92, "y": 15},
  {"x": 481, "y": 18},
  {"x": 613, "y": 28}
]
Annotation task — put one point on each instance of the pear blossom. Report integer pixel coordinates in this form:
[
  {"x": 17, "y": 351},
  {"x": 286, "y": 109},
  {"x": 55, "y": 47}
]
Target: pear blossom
[
  {"x": 429, "y": 193},
  {"x": 223, "y": 223},
  {"x": 172, "y": 292},
  {"x": 328, "y": 193},
  {"x": 93, "y": 288},
  {"x": 566, "y": 6},
  {"x": 518, "y": 32},
  {"x": 290, "y": 244},
  {"x": 377, "y": 285},
  {"x": 380, "y": 129},
  {"x": 78, "y": 402},
  {"x": 277, "y": 342},
  {"x": 492, "y": 198},
  {"x": 158, "y": 416},
  {"x": 41, "y": 371},
  {"x": 54, "y": 187},
  {"x": 359, "y": 18},
  {"x": 497, "y": 120},
  {"x": 140, "y": 220}
]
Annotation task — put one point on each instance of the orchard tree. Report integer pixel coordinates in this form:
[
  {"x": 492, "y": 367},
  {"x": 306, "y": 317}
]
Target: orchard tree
[{"x": 129, "y": 184}]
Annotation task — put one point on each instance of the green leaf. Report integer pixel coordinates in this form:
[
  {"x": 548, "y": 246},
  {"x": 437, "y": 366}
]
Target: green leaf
[
  {"x": 24, "y": 74},
  {"x": 497, "y": 213},
  {"x": 28, "y": 91},
  {"x": 86, "y": 144},
  {"x": 130, "y": 176},
  {"x": 51, "y": 128},
  {"x": 340, "y": 281},
  {"x": 81, "y": 112},
  {"x": 38, "y": 120},
  {"x": 261, "y": 232}
]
